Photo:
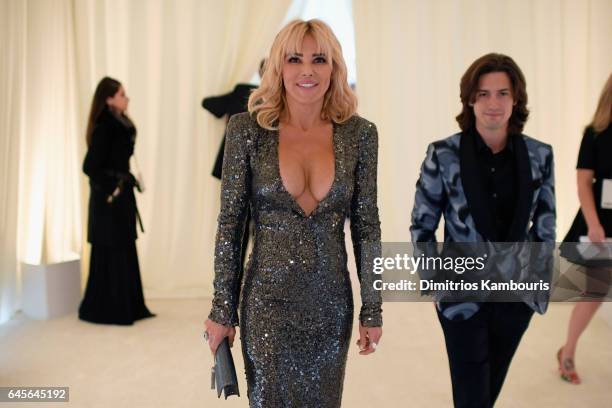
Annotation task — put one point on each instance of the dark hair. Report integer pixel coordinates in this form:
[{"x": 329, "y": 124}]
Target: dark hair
[
  {"x": 107, "y": 88},
  {"x": 469, "y": 86}
]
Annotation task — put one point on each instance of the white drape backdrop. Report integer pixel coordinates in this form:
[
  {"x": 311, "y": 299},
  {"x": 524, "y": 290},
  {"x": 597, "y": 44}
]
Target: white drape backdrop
[
  {"x": 11, "y": 80},
  {"x": 41, "y": 213},
  {"x": 410, "y": 58},
  {"x": 169, "y": 55}
]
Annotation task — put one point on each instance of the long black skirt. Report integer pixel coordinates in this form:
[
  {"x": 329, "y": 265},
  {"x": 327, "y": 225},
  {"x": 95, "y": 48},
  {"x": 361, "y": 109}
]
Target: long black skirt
[{"x": 114, "y": 289}]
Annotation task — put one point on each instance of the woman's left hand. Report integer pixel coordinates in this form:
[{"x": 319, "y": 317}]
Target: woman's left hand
[{"x": 369, "y": 338}]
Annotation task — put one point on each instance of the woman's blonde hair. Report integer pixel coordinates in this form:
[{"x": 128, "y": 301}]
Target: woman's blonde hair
[
  {"x": 268, "y": 102},
  {"x": 603, "y": 114}
]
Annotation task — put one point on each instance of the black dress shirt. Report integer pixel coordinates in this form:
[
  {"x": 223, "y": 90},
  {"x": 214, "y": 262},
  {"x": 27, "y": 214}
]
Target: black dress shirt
[{"x": 498, "y": 177}]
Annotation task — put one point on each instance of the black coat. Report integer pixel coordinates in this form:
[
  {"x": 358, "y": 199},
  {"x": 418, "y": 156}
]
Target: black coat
[{"x": 107, "y": 164}]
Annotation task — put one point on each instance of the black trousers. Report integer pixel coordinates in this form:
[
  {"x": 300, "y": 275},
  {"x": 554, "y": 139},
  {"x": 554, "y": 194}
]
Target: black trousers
[{"x": 480, "y": 350}]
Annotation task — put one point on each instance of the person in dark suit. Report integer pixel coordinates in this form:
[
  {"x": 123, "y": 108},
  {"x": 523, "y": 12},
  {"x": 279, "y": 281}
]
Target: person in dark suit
[
  {"x": 227, "y": 105},
  {"x": 114, "y": 289},
  {"x": 493, "y": 184}
]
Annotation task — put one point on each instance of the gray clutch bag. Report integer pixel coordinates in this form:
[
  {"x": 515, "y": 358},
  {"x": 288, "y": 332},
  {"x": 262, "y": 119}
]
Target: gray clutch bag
[{"x": 224, "y": 372}]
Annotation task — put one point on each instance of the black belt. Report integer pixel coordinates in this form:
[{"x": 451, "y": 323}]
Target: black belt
[{"x": 139, "y": 220}]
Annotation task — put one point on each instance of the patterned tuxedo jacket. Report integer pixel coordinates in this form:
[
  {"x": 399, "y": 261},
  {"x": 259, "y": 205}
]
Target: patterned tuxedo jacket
[{"x": 449, "y": 185}]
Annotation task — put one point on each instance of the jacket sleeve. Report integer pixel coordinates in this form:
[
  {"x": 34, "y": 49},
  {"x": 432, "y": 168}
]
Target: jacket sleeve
[
  {"x": 97, "y": 155},
  {"x": 365, "y": 225},
  {"x": 235, "y": 186},
  {"x": 429, "y": 200},
  {"x": 217, "y": 105},
  {"x": 543, "y": 227}
]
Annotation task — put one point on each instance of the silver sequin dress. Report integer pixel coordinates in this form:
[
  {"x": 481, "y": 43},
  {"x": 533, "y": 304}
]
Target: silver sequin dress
[{"x": 296, "y": 304}]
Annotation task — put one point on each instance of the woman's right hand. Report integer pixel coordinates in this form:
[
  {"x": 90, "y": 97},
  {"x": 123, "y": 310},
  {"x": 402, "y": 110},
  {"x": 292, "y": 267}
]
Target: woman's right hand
[
  {"x": 217, "y": 332},
  {"x": 597, "y": 233}
]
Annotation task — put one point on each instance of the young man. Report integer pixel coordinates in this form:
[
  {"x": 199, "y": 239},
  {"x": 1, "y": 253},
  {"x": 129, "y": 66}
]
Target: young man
[{"x": 493, "y": 184}]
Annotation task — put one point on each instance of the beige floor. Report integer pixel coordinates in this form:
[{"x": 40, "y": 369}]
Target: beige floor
[{"x": 162, "y": 362}]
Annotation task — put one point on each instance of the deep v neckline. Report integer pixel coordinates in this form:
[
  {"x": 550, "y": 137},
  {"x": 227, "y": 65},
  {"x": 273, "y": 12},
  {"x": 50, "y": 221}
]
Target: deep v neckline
[{"x": 292, "y": 199}]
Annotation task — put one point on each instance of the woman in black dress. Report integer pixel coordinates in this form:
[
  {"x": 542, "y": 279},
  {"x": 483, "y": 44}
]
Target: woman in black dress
[
  {"x": 594, "y": 170},
  {"x": 302, "y": 160},
  {"x": 114, "y": 290}
]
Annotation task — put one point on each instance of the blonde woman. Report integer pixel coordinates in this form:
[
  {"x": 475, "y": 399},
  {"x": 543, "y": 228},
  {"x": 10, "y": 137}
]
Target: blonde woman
[
  {"x": 593, "y": 220},
  {"x": 303, "y": 161}
]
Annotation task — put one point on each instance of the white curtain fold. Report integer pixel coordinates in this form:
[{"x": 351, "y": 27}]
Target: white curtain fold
[
  {"x": 245, "y": 43},
  {"x": 12, "y": 42},
  {"x": 410, "y": 58},
  {"x": 41, "y": 212},
  {"x": 49, "y": 219}
]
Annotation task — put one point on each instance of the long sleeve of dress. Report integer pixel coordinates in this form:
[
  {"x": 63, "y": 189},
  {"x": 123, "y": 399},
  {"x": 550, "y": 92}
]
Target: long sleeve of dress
[
  {"x": 234, "y": 204},
  {"x": 365, "y": 225},
  {"x": 217, "y": 105}
]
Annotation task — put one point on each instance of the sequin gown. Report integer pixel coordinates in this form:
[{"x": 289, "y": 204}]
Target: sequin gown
[{"x": 296, "y": 305}]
